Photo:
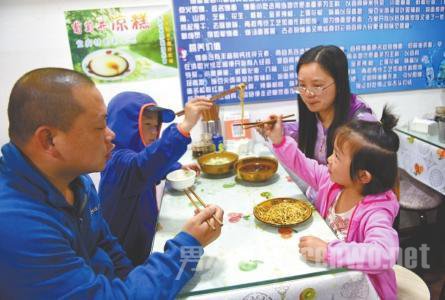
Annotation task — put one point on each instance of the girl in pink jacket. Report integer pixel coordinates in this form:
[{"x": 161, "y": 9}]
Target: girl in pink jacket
[{"x": 354, "y": 196}]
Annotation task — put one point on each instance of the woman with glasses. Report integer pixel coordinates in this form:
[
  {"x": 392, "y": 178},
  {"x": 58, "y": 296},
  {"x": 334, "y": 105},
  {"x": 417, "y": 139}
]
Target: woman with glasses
[
  {"x": 140, "y": 159},
  {"x": 325, "y": 102}
]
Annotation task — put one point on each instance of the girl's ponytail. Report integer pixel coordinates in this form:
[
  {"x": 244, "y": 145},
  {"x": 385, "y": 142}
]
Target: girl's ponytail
[{"x": 388, "y": 122}]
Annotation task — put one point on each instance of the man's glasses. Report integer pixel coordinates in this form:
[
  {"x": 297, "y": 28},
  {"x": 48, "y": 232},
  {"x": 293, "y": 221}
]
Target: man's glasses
[{"x": 314, "y": 91}]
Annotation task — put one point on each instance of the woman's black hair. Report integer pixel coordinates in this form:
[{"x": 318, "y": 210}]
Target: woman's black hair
[
  {"x": 374, "y": 148},
  {"x": 333, "y": 60}
]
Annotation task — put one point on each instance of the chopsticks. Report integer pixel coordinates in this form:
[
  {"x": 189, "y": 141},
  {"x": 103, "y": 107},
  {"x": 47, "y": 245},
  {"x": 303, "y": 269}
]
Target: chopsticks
[
  {"x": 262, "y": 123},
  {"x": 189, "y": 193},
  {"x": 219, "y": 95}
]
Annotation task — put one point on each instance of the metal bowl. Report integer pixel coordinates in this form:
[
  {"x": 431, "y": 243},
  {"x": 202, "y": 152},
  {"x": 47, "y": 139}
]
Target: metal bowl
[
  {"x": 261, "y": 211},
  {"x": 217, "y": 163},
  {"x": 256, "y": 169}
]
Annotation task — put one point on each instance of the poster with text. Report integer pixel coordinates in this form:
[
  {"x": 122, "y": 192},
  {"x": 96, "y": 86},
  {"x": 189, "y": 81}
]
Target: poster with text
[
  {"x": 391, "y": 45},
  {"x": 122, "y": 44}
]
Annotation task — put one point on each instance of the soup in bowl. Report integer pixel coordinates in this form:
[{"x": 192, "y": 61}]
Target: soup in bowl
[
  {"x": 217, "y": 163},
  {"x": 256, "y": 169}
]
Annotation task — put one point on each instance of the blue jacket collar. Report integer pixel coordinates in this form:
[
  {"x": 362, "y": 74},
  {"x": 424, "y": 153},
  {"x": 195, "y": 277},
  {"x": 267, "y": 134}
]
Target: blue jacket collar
[{"x": 37, "y": 185}]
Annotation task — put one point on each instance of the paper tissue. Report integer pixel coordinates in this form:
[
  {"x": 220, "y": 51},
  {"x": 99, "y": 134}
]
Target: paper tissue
[{"x": 423, "y": 126}]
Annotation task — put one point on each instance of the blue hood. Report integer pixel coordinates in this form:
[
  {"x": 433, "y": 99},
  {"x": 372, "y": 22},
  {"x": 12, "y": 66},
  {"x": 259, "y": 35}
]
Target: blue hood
[{"x": 124, "y": 112}]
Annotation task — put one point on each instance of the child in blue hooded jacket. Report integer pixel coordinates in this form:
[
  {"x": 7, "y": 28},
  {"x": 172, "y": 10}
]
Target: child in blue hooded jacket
[{"x": 139, "y": 161}]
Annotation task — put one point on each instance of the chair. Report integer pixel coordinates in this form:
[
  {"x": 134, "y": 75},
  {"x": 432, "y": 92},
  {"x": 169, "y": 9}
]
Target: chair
[
  {"x": 415, "y": 196},
  {"x": 409, "y": 285}
]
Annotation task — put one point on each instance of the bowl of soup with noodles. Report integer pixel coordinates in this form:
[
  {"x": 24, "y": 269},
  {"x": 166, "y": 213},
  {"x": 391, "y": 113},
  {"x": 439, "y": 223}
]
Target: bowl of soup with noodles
[
  {"x": 217, "y": 163},
  {"x": 256, "y": 169},
  {"x": 282, "y": 212}
]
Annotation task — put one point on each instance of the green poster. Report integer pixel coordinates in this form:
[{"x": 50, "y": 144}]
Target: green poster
[{"x": 122, "y": 44}]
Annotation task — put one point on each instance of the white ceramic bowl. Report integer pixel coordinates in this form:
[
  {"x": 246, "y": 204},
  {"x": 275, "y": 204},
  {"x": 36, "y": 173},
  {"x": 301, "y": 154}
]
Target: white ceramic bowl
[{"x": 181, "y": 179}]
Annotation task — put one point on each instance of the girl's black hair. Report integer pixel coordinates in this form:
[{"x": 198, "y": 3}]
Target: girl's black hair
[
  {"x": 333, "y": 60},
  {"x": 375, "y": 146}
]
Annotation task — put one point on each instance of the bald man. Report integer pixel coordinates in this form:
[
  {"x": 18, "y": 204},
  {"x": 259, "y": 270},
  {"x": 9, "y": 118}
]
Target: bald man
[{"x": 54, "y": 240}]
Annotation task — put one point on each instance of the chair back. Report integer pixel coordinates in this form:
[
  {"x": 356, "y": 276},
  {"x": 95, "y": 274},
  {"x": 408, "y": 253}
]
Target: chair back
[{"x": 410, "y": 285}]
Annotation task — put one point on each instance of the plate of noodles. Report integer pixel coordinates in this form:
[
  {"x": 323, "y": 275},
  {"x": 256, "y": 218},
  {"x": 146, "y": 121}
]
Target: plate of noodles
[{"x": 283, "y": 211}]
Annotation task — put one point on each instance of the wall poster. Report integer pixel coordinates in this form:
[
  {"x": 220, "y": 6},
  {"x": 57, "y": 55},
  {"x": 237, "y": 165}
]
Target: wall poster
[
  {"x": 123, "y": 44},
  {"x": 391, "y": 45}
]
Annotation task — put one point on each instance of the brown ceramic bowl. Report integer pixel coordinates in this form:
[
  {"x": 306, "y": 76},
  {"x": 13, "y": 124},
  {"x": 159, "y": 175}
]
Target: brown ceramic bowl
[
  {"x": 256, "y": 169},
  {"x": 217, "y": 163}
]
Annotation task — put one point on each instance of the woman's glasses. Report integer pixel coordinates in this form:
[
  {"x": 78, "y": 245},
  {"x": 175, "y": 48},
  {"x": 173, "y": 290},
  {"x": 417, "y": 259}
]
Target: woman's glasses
[{"x": 313, "y": 91}]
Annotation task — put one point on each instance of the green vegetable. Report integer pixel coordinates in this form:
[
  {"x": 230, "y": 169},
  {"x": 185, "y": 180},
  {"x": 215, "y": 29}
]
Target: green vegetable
[
  {"x": 229, "y": 185},
  {"x": 266, "y": 195},
  {"x": 250, "y": 265}
]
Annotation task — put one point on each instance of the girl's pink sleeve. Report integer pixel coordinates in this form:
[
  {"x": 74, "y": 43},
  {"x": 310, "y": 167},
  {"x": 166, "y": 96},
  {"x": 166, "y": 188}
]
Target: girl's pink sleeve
[
  {"x": 378, "y": 251},
  {"x": 307, "y": 169}
]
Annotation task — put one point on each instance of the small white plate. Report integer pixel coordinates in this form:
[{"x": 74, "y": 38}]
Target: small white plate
[{"x": 100, "y": 57}]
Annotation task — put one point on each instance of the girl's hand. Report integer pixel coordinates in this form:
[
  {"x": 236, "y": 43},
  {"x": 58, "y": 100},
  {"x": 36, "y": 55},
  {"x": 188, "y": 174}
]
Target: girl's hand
[
  {"x": 274, "y": 131},
  {"x": 313, "y": 249},
  {"x": 193, "y": 166}
]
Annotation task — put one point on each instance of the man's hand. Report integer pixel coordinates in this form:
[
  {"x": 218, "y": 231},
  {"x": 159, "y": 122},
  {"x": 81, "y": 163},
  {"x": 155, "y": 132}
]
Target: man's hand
[
  {"x": 193, "y": 110},
  {"x": 313, "y": 249},
  {"x": 198, "y": 227}
]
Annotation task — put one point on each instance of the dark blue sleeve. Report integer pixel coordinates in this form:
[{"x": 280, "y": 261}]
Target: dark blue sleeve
[
  {"x": 174, "y": 167},
  {"x": 49, "y": 268},
  {"x": 100, "y": 234},
  {"x": 172, "y": 269},
  {"x": 133, "y": 171},
  {"x": 110, "y": 244}
]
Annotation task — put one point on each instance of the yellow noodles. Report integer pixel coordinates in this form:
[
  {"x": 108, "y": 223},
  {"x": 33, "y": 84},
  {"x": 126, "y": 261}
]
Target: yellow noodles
[
  {"x": 283, "y": 213},
  {"x": 242, "y": 88}
]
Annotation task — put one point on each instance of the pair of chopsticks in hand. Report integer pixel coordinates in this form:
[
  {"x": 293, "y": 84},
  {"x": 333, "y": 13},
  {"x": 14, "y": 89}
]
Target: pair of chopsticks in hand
[
  {"x": 240, "y": 86},
  {"x": 189, "y": 193},
  {"x": 262, "y": 123}
]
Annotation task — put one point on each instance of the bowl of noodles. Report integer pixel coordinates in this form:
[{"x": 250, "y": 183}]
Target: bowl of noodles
[
  {"x": 217, "y": 163},
  {"x": 282, "y": 212},
  {"x": 256, "y": 169}
]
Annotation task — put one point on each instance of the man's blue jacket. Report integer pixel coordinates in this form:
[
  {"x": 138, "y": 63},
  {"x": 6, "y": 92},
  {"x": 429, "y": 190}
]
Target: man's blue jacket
[
  {"x": 127, "y": 185},
  {"x": 51, "y": 250}
]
